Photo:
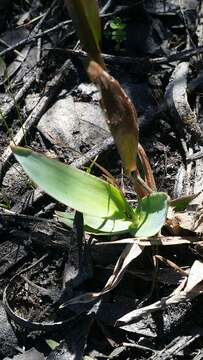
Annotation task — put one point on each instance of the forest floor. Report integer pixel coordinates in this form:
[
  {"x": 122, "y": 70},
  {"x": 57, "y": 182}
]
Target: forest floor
[{"x": 48, "y": 104}]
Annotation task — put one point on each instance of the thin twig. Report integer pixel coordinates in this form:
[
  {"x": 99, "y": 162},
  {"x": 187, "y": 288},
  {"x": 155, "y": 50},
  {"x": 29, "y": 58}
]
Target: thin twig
[
  {"x": 183, "y": 55},
  {"x": 32, "y": 38}
]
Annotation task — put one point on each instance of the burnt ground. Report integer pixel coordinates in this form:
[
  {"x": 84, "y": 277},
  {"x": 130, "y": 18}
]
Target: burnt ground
[{"x": 48, "y": 104}]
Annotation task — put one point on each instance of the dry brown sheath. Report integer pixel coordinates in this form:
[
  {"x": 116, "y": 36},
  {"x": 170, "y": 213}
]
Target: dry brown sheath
[{"x": 120, "y": 114}]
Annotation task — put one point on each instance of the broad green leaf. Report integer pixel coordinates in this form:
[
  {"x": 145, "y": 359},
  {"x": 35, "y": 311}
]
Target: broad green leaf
[
  {"x": 66, "y": 218},
  {"x": 150, "y": 216},
  {"x": 95, "y": 225},
  {"x": 72, "y": 187},
  {"x": 85, "y": 16},
  {"x": 108, "y": 226}
]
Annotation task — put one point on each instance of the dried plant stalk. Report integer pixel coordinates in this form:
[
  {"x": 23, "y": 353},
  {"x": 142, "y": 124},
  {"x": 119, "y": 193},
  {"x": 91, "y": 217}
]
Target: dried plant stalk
[
  {"x": 149, "y": 177},
  {"x": 120, "y": 113}
]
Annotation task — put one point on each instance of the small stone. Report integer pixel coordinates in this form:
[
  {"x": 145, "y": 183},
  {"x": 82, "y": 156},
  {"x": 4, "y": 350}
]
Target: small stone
[
  {"x": 58, "y": 123},
  {"x": 89, "y": 90},
  {"x": 31, "y": 354},
  {"x": 8, "y": 339},
  {"x": 75, "y": 125},
  {"x": 15, "y": 183},
  {"x": 31, "y": 101}
]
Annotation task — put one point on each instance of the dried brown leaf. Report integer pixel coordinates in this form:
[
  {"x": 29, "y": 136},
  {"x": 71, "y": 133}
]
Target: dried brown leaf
[
  {"x": 149, "y": 177},
  {"x": 120, "y": 114},
  {"x": 156, "y": 241},
  {"x": 194, "y": 283},
  {"x": 171, "y": 264},
  {"x": 189, "y": 288},
  {"x": 131, "y": 252}
]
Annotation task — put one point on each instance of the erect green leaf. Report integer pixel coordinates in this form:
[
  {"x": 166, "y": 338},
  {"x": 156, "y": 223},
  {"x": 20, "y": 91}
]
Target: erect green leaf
[
  {"x": 150, "y": 216},
  {"x": 72, "y": 187},
  {"x": 86, "y": 19},
  {"x": 95, "y": 225}
]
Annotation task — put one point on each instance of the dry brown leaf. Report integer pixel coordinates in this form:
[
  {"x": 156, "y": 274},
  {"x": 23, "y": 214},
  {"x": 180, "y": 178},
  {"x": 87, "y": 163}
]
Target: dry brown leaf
[
  {"x": 183, "y": 223},
  {"x": 189, "y": 288},
  {"x": 122, "y": 120},
  {"x": 149, "y": 177},
  {"x": 156, "y": 241},
  {"x": 194, "y": 283},
  {"x": 120, "y": 114},
  {"x": 198, "y": 222},
  {"x": 171, "y": 264},
  {"x": 131, "y": 252}
]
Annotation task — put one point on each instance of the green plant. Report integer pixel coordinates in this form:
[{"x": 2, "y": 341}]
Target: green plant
[
  {"x": 105, "y": 209},
  {"x": 103, "y": 205},
  {"x": 116, "y": 31}
]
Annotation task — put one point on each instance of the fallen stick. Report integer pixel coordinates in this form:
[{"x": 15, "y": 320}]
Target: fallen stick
[{"x": 178, "y": 105}]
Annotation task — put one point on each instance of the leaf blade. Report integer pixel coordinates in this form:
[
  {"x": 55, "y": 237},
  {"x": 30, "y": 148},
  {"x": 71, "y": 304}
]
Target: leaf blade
[
  {"x": 97, "y": 226},
  {"x": 150, "y": 216},
  {"x": 87, "y": 23},
  {"x": 73, "y": 187}
]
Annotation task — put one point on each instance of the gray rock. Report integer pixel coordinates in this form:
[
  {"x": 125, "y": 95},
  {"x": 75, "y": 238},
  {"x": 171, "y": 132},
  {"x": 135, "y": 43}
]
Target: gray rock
[
  {"x": 169, "y": 7},
  {"x": 89, "y": 90},
  {"x": 8, "y": 339},
  {"x": 31, "y": 354},
  {"x": 58, "y": 124},
  {"x": 31, "y": 101},
  {"x": 93, "y": 127},
  {"x": 73, "y": 124},
  {"x": 15, "y": 183}
]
